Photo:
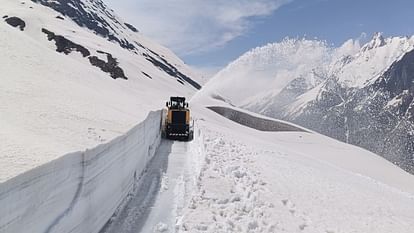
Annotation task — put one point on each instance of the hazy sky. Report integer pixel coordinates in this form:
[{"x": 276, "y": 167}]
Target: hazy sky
[{"x": 207, "y": 34}]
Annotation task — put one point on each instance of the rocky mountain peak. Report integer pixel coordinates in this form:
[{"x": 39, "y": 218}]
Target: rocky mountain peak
[
  {"x": 96, "y": 16},
  {"x": 376, "y": 42}
]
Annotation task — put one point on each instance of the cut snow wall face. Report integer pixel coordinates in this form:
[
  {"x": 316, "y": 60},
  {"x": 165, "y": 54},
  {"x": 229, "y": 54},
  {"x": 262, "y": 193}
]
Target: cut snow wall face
[
  {"x": 80, "y": 191},
  {"x": 255, "y": 122},
  {"x": 198, "y": 152}
]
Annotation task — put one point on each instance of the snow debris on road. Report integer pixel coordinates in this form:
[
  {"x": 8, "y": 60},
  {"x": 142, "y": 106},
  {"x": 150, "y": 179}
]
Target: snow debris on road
[
  {"x": 244, "y": 187},
  {"x": 230, "y": 191},
  {"x": 161, "y": 227}
]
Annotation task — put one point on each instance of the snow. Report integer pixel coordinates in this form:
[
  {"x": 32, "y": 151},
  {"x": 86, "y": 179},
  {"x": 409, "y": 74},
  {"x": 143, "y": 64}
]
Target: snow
[
  {"x": 373, "y": 59},
  {"x": 162, "y": 192},
  {"x": 362, "y": 67},
  {"x": 70, "y": 160},
  {"x": 53, "y": 104},
  {"x": 80, "y": 191},
  {"x": 301, "y": 101},
  {"x": 231, "y": 178},
  {"x": 269, "y": 69},
  {"x": 395, "y": 101},
  {"x": 256, "y": 181}
]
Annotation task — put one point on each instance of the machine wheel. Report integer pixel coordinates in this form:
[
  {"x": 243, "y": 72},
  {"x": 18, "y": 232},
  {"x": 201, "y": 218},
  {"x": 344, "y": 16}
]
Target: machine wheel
[{"x": 190, "y": 136}]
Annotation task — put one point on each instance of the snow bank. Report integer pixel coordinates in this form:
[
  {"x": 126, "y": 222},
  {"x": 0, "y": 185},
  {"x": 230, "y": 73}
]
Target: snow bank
[
  {"x": 164, "y": 190},
  {"x": 79, "y": 191},
  {"x": 53, "y": 104}
]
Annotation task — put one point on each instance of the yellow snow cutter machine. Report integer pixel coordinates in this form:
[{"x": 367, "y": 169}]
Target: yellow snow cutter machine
[{"x": 177, "y": 122}]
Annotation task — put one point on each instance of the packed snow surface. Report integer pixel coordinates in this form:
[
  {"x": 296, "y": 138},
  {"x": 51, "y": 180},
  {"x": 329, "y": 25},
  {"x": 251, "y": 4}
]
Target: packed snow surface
[{"x": 159, "y": 195}]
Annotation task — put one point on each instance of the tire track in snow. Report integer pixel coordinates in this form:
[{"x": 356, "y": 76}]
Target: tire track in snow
[{"x": 154, "y": 204}]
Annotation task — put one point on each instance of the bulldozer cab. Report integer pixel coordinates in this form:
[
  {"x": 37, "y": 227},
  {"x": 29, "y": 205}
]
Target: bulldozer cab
[{"x": 177, "y": 103}]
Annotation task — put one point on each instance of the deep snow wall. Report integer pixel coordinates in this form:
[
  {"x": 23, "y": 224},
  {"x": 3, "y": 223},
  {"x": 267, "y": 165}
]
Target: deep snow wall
[{"x": 79, "y": 191}]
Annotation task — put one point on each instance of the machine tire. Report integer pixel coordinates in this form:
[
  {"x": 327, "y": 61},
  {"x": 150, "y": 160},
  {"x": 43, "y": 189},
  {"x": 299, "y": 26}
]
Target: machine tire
[{"x": 190, "y": 136}]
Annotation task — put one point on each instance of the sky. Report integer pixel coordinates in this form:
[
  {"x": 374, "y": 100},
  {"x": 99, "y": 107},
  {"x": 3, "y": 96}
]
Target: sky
[{"x": 208, "y": 34}]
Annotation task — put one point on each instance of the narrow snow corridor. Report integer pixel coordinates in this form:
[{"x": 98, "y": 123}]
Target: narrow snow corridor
[{"x": 153, "y": 205}]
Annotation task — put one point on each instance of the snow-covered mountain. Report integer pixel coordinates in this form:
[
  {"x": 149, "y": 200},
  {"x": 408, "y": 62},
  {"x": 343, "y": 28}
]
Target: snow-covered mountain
[
  {"x": 358, "y": 94},
  {"x": 267, "y": 70},
  {"x": 74, "y": 75}
]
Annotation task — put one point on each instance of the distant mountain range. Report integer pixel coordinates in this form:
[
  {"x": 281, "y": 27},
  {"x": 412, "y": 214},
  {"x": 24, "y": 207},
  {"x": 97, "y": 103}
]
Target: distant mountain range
[{"x": 362, "y": 95}]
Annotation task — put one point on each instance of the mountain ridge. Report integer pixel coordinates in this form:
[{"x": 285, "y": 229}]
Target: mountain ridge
[{"x": 348, "y": 97}]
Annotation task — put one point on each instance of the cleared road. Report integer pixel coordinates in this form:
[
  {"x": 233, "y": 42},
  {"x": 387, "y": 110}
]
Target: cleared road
[{"x": 154, "y": 204}]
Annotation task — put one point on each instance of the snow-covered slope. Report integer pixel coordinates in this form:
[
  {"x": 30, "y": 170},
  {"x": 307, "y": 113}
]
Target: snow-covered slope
[
  {"x": 344, "y": 93},
  {"x": 374, "y": 58},
  {"x": 359, "y": 69},
  {"x": 258, "y": 181},
  {"x": 359, "y": 104},
  {"x": 74, "y": 75}
]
